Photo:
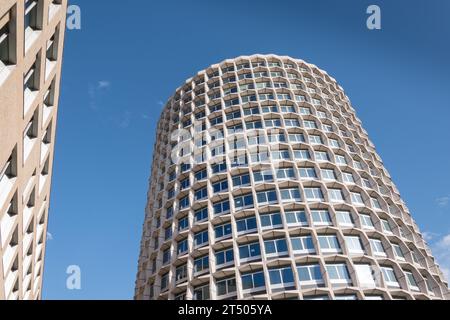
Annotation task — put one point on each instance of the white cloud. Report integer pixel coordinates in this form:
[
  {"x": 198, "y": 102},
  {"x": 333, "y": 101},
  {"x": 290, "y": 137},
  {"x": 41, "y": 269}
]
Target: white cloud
[
  {"x": 441, "y": 251},
  {"x": 161, "y": 103},
  {"x": 49, "y": 236},
  {"x": 429, "y": 236},
  {"x": 103, "y": 84},
  {"x": 443, "y": 201}
]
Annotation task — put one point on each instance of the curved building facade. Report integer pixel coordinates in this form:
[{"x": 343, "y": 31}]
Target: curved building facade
[{"x": 264, "y": 185}]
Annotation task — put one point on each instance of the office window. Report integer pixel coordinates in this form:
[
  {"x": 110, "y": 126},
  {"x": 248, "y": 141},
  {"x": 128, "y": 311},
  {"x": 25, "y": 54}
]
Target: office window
[
  {"x": 272, "y": 220},
  {"x": 182, "y": 247},
  {"x": 353, "y": 244},
  {"x": 302, "y": 245},
  {"x": 321, "y": 217},
  {"x": 366, "y": 183},
  {"x": 366, "y": 221},
  {"x": 246, "y": 225},
  {"x": 184, "y": 184},
  {"x": 285, "y": 173},
  {"x": 377, "y": 247},
  {"x": 168, "y": 233},
  {"x": 364, "y": 273},
  {"x": 275, "y": 247},
  {"x": 386, "y": 226},
  {"x": 348, "y": 177},
  {"x": 201, "y": 293},
  {"x": 329, "y": 244},
  {"x": 375, "y": 203},
  {"x": 305, "y": 111},
  {"x": 340, "y": 160},
  {"x": 224, "y": 257},
  {"x": 201, "y": 194},
  {"x": 344, "y": 218},
  {"x": 296, "y": 218},
  {"x": 201, "y": 264},
  {"x": 184, "y": 202},
  {"x": 183, "y": 224},
  {"x": 200, "y": 175},
  {"x": 166, "y": 256},
  {"x": 220, "y": 186},
  {"x": 242, "y": 180},
  {"x": 335, "y": 195},
  {"x": 165, "y": 282},
  {"x": 291, "y": 194},
  {"x": 263, "y": 176},
  {"x": 309, "y": 124},
  {"x": 266, "y": 197},
  {"x": 223, "y": 231},
  {"x": 338, "y": 273},
  {"x": 356, "y": 198},
  {"x": 334, "y": 143},
  {"x": 302, "y": 155},
  {"x": 221, "y": 207},
  {"x": 281, "y": 277},
  {"x": 201, "y": 215},
  {"x": 314, "y": 139},
  {"x": 7, "y": 177},
  {"x": 251, "y": 281},
  {"x": 398, "y": 252},
  {"x": 269, "y": 109},
  {"x": 314, "y": 194},
  {"x": 307, "y": 173},
  {"x": 201, "y": 238},
  {"x": 310, "y": 274},
  {"x": 226, "y": 286},
  {"x": 281, "y": 155},
  {"x": 181, "y": 273},
  {"x": 250, "y": 251},
  {"x": 296, "y": 137},
  {"x": 411, "y": 281},
  {"x": 244, "y": 201},
  {"x": 321, "y": 156},
  {"x": 292, "y": 123},
  {"x": 328, "y": 174},
  {"x": 389, "y": 277}
]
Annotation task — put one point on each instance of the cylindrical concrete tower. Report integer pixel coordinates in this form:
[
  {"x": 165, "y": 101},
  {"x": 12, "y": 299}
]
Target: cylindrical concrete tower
[{"x": 265, "y": 186}]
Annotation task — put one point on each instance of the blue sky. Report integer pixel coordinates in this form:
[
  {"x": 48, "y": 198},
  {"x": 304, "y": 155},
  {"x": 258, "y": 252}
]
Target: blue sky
[{"x": 123, "y": 64}]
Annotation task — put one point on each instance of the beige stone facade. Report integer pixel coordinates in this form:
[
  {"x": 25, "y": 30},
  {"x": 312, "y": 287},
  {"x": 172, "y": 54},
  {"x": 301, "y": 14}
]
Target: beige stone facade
[
  {"x": 264, "y": 185},
  {"x": 31, "y": 50}
]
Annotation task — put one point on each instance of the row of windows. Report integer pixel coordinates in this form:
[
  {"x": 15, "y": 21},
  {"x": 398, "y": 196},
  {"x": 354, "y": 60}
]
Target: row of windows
[
  {"x": 308, "y": 275},
  {"x": 327, "y": 243},
  {"x": 271, "y": 197}
]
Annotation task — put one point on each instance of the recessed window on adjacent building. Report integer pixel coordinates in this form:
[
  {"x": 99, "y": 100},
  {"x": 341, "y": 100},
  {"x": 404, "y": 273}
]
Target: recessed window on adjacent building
[
  {"x": 276, "y": 247},
  {"x": 7, "y": 43},
  {"x": 33, "y": 21},
  {"x": 30, "y": 136},
  {"x": 335, "y": 195},
  {"x": 8, "y": 176},
  {"x": 31, "y": 84},
  {"x": 53, "y": 8},
  {"x": 411, "y": 281},
  {"x": 377, "y": 247},
  {"x": 181, "y": 273},
  {"x": 52, "y": 52},
  {"x": 290, "y": 194}
]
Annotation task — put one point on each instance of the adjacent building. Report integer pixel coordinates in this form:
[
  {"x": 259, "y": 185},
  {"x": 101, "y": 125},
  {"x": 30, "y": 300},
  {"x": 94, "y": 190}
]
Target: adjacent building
[
  {"x": 31, "y": 47},
  {"x": 264, "y": 185}
]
